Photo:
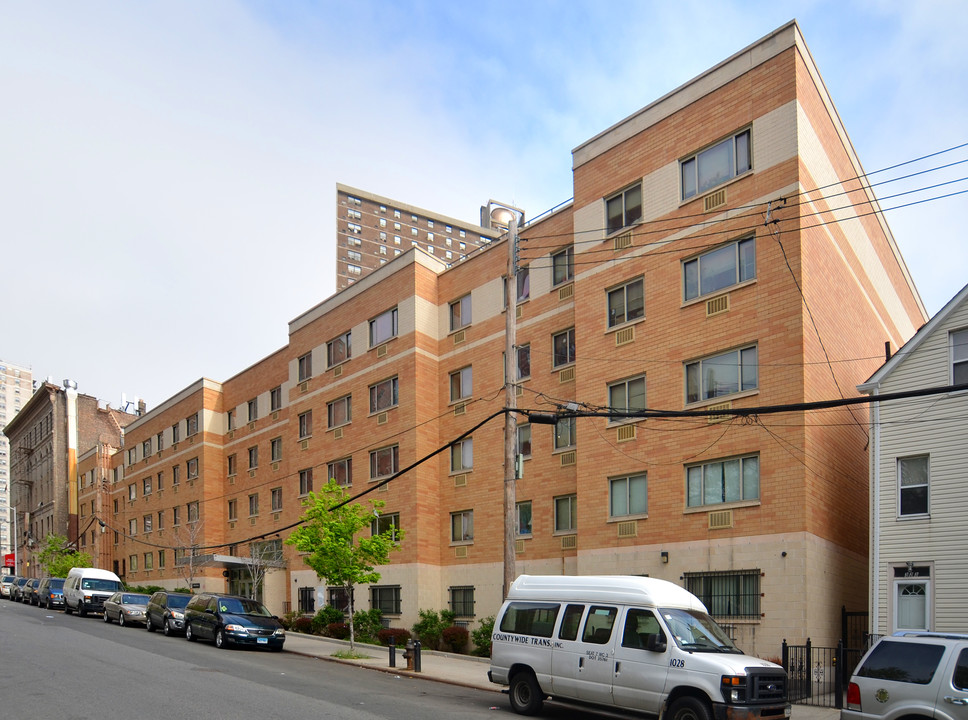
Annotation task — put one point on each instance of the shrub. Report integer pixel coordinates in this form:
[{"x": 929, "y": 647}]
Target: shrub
[
  {"x": 189, "y": 591},
  {"x": 482, "y": 637},
  {"x": 302, "y": 625},
  {"x": 401, "y": 635},
  {"x": 338, "y": 630},
  {"x": 326, "y": 615},
  {"x": 288, "y": 619},
  {"x": 455, "y": 638},
  {"x": 146, "y": 589},
  {"x": 367, "y": 624},
  {"x": 430, "y": 627}
]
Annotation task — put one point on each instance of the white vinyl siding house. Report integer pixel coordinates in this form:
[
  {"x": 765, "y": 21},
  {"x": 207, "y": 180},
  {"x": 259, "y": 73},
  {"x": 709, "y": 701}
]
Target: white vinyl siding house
[{"x": 919, "y": 464}]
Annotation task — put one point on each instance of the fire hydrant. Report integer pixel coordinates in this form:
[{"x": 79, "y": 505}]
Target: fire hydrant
[{"x": 408, "y": 654}]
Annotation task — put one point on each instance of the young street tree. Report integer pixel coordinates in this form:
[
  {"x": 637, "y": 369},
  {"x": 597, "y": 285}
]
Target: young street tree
[
  {"x": 340, "y": 545},
  {"x": 57, "y": 558},
  {"x": 187, "y": 558}
]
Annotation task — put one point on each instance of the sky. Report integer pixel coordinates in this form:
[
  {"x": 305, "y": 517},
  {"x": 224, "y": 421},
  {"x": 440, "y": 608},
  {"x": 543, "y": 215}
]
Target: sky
[{"x": 168, "y": 169}]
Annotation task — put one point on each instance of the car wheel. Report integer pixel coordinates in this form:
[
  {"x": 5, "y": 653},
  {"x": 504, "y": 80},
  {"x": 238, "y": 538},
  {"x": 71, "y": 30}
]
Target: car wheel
[
  {"x": 67, "y": 608},
  {"x": 525, "y": 694},
  {"x": 276, "y": 649},
  {"x": 107, "y": 618},
  {"x": 689, "y": 708},
  {"x": 167, "y": 629},
  {"x": 120, "y": 618},
  {"x": 148, "y": 626},
  {"x": 48, "y": 604},
  {"x": 188, "y": 633},
  {"x": 81, "y": 610},
  {"x": 220, "y": 641}
]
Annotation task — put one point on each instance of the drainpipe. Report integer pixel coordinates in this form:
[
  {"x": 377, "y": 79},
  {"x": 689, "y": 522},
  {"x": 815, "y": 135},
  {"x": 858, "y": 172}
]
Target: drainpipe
[{"x": 875, "y": 513}]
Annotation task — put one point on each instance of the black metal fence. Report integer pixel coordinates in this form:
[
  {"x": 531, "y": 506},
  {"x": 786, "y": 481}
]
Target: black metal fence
[{"x": 819, "y": 675}]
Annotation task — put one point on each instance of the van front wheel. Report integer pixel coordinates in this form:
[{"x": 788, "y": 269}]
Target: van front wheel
[
  {"x": 689, "y": 708},
  {"x": 525, "y": 694}
]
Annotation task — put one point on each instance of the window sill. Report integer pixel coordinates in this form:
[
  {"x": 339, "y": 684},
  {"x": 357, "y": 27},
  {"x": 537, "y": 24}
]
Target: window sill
[
  {"x": 465, "y": 471},
  {"x": 622, "y": 326},
  {"x": 335, "y": 427},
  {"x": 457, "y": 543},
  {"x": 691, "y": 510},
  {"x": 559, "y": 451},
  {"x": 454, "y": 331},
  {"x": 714, "y": 188},
  {"x": 700, "y": 404},
  {"x": 459, "y": 401},
  {"x": 625, "y": 518},
  {"x": 913, "y": 517},
  {"x": 564, "y": 533},
  {"x": 699, "y": 299},
  {"x": 374, "y": 413},
  {"x": 381, "y": 343},
  {"x": 609, "y": 234}
]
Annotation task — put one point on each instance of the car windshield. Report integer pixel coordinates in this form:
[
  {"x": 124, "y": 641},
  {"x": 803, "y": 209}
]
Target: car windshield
[
  {"x": 102, "y": 585},
  {"x": 242, "y": 606},
  {"x": 178, "y": 601},
  {"x": 133, "y": 599},
  {"x": 697, "y": 632}
]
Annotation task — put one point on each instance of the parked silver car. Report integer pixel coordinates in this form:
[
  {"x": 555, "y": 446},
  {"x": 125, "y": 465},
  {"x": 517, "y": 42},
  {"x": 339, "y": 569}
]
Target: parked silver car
[
  {"x": 911, "y": 675},
  {"x": 127, "y": 608}
]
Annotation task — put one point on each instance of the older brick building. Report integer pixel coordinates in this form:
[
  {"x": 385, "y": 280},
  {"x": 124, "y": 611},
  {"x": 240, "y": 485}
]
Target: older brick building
[{"x": 720, "y": 252}]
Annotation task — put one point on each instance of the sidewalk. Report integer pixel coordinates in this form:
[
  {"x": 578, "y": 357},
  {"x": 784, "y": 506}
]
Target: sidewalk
[{"x": 463, "y": 670}]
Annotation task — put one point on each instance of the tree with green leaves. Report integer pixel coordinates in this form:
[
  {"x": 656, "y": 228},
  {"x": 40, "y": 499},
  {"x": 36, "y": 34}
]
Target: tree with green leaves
[
  {"x": 344, "y": 540},
  {"x": 57, "y": 557}
]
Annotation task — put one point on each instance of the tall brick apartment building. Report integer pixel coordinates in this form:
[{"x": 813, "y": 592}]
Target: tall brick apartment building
[{"x": 720, "y": 252}]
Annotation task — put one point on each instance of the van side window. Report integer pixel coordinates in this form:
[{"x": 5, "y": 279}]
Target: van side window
[
  {"x": 960, "y": 680},
  {"x": 639, "y": 624},
  {"x": 570, "y": 622},
  {"x": 524, "y": 618},
  {"x": 598, "y": 625}
]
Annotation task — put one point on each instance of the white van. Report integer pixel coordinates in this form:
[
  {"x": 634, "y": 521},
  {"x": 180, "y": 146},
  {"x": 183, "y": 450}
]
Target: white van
[
  {"x": 633, "y": 643},
  {"x": 86, "y": 589}
]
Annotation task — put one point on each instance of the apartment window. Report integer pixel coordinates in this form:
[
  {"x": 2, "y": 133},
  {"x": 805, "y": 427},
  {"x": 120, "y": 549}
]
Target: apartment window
[
  {"x": 175, "y": 474},
  {"x": 460, "y": 313},
  {"x": 233, "y": 509},
  {"x": 389, "y": 522},
  {"x": 720, "y": 268},
  {"x": 383, "y": 327},
  {"x": 305, "y": 481},
  {"x": 523, "y": 276},
  {"x": 461, "y": 233},
  {"x": 275, "y": 499},
  {"x": 523, "y": 518},
  {"x": 133, "y": 526},
  {"x": 959, "y": 357},
  {"x": 566, "y": 514},
  {"x": 385, "y": 598},
  {"x": 338, "y": 350},
  {"x": 524, "y": 440},
  {"x": 731, "y": 372},
  {"x": 383, "y": 222},
  {"x": 565, "y": 433},
  {"x": 253, "y": 457},
  {"x": 175, "y": 433},
  {"x": 728, "y": 593},
  {"x": 396, "y": 213},
  {"x": 723, "y": 481},
  {"x": 161, "y": 520},
  {"x": 339, "y": 412},
  {"x": 627, "y": 395},
  {"x": 383, "y": 236},
  {"x": 522, "y": 355},
  {"x": 275, "y": 450},
  {"x": 116, "y": 504},
  {"x": 383, "y": 395},
  {"x": 305, "y": 366},
  {"x": 146, "y": 486},
  {"x": 307, "y": 600},
  {"x": 161, "y": 559},
  {"x": 253, "y": 504},
  {"x": 626, "y": 303},
  {"x": 563, "y": 348},
  {"x": 624, "y": 208},
  {"x": 461, "y": 384},
  {"x": 191, "y": 424},
  {"x": 913, "y": 476},
  {"x": 627, "y": 496},
  {"x": 563, "y": 266},
  {"x": 232, "y": 466},
  {"x": 275, "y": 398},
  {"x": 132, "y": 456},
  {"x": 192, "y": 509},
  {"x": 715, "y": 165},
  {"x": 305, "y": 424},
  {"x": 355, "y": 228},
  {"x": 133, "y": 563},
  {"x": 176, "y": 516},
  {"x": 354, "y": 242},
  {"x": 341, "y": 471},
  {"x": 146, "y": 523},
  {"x": 462, "y": 456},
  {"x": 384, "y": 462},
  {"x": 253, "y": 409},
  {"x": 354, "y": 270},
  {"x": 462, "y": 600},
  {"x": 191, "y": 468},
  {"x": 146, "y": 448},
  {"x": 230, "y": 420},
  {"x": 149, "y": 561},
  {"x": 132, "y": 492},
  {"x": 462, "y": 526},
  {"x": 414, "y": 231},
  {"x": 160, "y": 441}
]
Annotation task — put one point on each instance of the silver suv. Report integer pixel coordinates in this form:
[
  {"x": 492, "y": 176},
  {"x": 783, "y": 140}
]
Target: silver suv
[{"x": 911, "y": 675}]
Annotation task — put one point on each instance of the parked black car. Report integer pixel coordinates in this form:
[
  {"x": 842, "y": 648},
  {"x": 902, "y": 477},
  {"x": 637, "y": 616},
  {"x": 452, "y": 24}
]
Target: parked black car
[
  {"x": 50, "y": 593},
  {"x": 29, "y": 593},
  {"x": 166, "y": 610},
  {"x": 232, "y": 620}
]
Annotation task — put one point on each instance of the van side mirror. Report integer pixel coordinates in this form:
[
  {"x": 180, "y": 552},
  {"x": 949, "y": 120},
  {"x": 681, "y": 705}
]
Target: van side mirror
[{"x": 655, "y": 642}]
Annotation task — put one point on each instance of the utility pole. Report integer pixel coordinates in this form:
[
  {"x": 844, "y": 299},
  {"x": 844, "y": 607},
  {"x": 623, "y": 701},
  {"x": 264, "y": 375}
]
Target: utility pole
[{"x": 506, "y": 215}]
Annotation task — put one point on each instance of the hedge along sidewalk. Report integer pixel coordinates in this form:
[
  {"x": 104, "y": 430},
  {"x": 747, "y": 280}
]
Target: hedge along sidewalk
[{"x": 465, "y": 670}]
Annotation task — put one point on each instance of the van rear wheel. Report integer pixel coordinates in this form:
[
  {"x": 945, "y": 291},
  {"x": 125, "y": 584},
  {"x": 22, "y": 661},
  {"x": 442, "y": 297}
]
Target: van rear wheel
[
  {"x": 525, "y": 694},
  {"x": 689, "y": 708}
]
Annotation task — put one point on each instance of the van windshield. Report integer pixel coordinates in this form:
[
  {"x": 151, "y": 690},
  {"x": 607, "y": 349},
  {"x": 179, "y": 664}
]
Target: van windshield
[
  {"x": 102, "y": 585},
  {"x": 697, "y": 632}
]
